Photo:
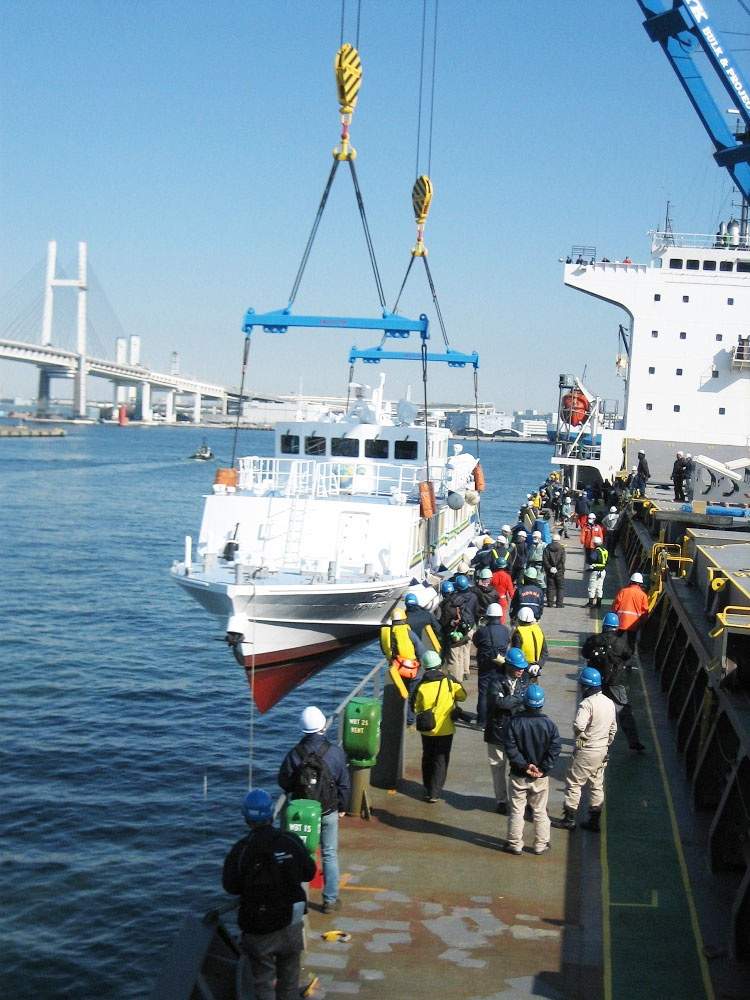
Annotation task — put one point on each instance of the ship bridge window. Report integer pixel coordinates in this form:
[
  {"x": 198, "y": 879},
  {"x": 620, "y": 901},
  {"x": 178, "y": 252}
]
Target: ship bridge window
[
  {"x": 683, "y": 335},
  {"x": 709, "y": 265},
  {"x": 649, "y": 406},
  {"x": 654, "y": 334},
  {"x": 676, "y": 407},
  {"x": 685, "y": 298},
  {"x": 726, "y": 265},
  {"x": 675, "y": 263},
  {"x": 722, "y": 411},
  {"x": 376, "y": 448},
  {"x": 679, "y": 371},
  {"x": 315, "y": 445},
  {"x": 290, "y": 444},
  {"x": 405, "y": 450},
  {"x": 344, "y": 447},
  {"x": 743, "y": 265},
  {"x": 714, "y": 373},
  {"x": 657, "y": 297},
  {"x": 693, "y": 265},
  {"x": 652, "y": 370},
  {"x": 730, "y": 302},
  {"x": 719, "y": 336}
]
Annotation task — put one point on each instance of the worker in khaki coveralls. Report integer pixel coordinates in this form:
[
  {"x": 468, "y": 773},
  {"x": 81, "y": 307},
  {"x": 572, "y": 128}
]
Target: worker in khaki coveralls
[{"x": 595, "y": 726}]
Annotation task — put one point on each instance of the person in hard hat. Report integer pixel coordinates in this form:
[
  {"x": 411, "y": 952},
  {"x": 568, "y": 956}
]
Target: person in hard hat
[
  {"x": 503, "y": 584},
  {"x": 554, "y": 570},
  {"x": 567, "y": 516},
  {"x": 678, "y": 477},
  {"x": 609, "y": 653},
  {"x": 423, "y": 622},
  {"x": 535, "y": 557},
  {"x": 484, "y": 591},
  {"x": 582, "y": 509},
  {"x": 609, "y": 523},
  {"x": 267, "y": 869},
  {"x": 591, "y": 533},
  {"x": 528, "y": 594},
  {"x": 596, "y": 568},
  {"x": 689, "y": 470},
  {"x": 519, "y": 563},
  {"x": 594, "y": 728},
  {"x": 437, "y": 692},
  {"x": 491, "y": 640},
  {"x": 404, "y": 650},
  {"x": 631, "y": 607},
  {"x": 458, "y": 616},
  {"x": 314, "y": 750},
  {"x": 504, "y": 700},
  {"x": 533, "y": 744},
  {"x": 483, "y": 556},
  {"x": 529, "y": 638},
  {"x": 631, "y": 484},
  {"x": 643, "y": 474}
]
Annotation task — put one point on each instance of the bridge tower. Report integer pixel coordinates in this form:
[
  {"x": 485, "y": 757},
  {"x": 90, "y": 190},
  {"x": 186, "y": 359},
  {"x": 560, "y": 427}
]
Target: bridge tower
[{"x": 79, "y": 390}]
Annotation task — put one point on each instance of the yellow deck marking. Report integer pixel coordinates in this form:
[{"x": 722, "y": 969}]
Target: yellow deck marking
[
  {"x": 344, "y": 884},
  {"x": 654, "y": 904}
]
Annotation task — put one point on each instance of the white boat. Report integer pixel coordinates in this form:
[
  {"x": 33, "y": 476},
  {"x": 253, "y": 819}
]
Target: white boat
[{"x": 307, "y": 552}]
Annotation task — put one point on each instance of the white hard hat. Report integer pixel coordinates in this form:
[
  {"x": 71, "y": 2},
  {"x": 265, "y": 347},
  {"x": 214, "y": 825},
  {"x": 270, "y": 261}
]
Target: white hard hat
[
  {"x": 613, "y": 510},
  {"x": 634, "y": 469},
  {"x": 536, "y": 534},
  {"x": 592, "y": 517},
  {"x": 556, "y": 537},
  {"x": 502, "y": 540},
  {"x": 679, "y": 454},
  {"x": 505, "y": 527},
  {"x": 636, "y": 578},
  {"x": 312, "y": 720},
  {"x": 521, "y": 534},
  {"x": 525, "y": 614},
  {"x": 494, "y": 611}
]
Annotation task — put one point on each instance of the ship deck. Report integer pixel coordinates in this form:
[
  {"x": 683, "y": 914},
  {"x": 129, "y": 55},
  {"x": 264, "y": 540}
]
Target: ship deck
[{"x": 435, "y": 908}]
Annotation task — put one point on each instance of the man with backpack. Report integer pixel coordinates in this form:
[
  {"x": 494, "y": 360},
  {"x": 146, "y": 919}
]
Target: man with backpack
[
  {"x": 316, "y": 769},
  {"x": 266, "y": 870}
]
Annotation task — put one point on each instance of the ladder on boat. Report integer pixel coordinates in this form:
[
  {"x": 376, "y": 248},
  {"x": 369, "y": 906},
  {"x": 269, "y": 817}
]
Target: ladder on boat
[{"x": 293, "y": 547}]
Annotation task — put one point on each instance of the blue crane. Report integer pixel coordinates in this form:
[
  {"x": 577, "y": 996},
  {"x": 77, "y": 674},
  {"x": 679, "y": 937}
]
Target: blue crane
[{"x": 683, "y": 30}]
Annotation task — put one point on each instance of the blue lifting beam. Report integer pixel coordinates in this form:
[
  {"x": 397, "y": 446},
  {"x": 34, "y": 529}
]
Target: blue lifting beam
[
  {"x": 680, "y": 29},
  {"x": 282, "y": 319},
  {"x": 374, "y": 355}
]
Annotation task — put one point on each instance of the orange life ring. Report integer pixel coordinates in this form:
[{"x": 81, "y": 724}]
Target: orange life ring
[
  {"x": 478, "y": 478},
  {"x": 574, "y": 407}
]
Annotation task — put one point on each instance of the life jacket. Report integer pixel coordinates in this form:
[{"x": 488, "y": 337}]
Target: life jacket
[
  {"x": 398, "y": 648},
  {"x": 630, "y": 604},
  {"x": 598, "y": 557},
  {"x": 532, "y": 640}
]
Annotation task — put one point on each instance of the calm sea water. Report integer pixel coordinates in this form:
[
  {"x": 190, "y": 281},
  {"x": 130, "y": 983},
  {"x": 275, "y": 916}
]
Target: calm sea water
[{"x": 125, "y": 721}]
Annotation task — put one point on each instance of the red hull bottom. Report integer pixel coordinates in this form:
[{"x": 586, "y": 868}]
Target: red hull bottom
[{"x": 271, "y": 676}]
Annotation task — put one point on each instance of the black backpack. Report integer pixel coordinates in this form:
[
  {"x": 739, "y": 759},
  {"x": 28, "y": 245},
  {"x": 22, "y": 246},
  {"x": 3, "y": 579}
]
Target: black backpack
[
  {"x": 599, "y": 659},
  {"x": 266, "y": 903},
  {"x": 312, "y": 779}
]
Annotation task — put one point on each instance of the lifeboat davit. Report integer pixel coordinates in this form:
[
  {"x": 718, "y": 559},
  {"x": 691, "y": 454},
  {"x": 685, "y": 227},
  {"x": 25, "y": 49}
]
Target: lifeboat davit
[{"x": 574, "y": 408}]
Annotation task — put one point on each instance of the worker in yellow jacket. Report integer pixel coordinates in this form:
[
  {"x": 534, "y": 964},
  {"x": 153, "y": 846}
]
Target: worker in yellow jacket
[
  {"x": 529, "y": 638},
  {"x": 438, "y": 693}
]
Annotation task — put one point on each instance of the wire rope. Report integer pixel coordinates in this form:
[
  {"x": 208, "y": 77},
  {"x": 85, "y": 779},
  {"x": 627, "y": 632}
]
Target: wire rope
[
  {"x": 368, "y": 238},
  {"x": 421, "y": 79},
  {"x": 432, "y": 90},
  {"x": 313, "y": 232}
]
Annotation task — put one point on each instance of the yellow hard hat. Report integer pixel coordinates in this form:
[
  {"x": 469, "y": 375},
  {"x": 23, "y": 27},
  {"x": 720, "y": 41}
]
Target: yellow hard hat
[{"x": 398, "y": 615}]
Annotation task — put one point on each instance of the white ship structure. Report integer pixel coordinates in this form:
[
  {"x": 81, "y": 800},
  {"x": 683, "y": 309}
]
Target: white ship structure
[
  {"x": 305, "y": 554},
  {"x": 685, "y": 360}
]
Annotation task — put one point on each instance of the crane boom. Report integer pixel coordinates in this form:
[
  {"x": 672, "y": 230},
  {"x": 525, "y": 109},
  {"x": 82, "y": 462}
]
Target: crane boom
[{"x": 683, "y": 31}]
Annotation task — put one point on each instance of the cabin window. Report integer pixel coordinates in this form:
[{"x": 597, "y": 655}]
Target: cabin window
[
  {"x": 719, "y": 336},
  {"x": 676, "y": 407},
  {"x": 652, "y": 371},
  {"x": 726, "y": 265},
  {"x": 693, "y": 265},
  {"x": 649, "y": 406},
  {"x": 290, "y": 444},
  {"x": 715, "y": 373},
  {"x": 679, "y": 371},
  {"x": 405, "y": 450},
  {"x": 722, "y": 411},
  {"x": 730, "y": 302},
  {"x": 376, "y": 449},
  {"x": 685, "y": 298},
  {"x": 345, "y": 447},
  {"x": 657, "y": 297},
  {"x": 683, "y": 335},
  {"x": 315, "y": 445},
  {"x": 743, "y": 265},
  {"x": 654, "y": 334},
  {"x": 675, "y": 263},
  {"x": 709, "y": 265}
]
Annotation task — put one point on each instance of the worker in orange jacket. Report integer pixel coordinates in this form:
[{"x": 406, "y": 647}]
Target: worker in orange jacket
[
  {"x": 592, "y": 533},
  {"x": 631, "y": 605}
]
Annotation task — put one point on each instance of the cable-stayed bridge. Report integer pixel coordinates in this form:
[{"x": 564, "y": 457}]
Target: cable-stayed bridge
[{"x": 125, "y": 372}]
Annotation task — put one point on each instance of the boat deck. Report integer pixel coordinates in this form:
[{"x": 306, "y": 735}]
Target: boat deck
[{"x": 435, "y": 908}]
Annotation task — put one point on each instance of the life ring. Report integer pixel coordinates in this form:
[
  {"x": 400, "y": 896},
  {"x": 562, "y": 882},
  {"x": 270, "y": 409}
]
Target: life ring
[{"x": 574, "y": 408}]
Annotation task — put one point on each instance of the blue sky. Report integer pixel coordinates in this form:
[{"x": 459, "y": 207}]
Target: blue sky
[{"x": 188, "y": 143}]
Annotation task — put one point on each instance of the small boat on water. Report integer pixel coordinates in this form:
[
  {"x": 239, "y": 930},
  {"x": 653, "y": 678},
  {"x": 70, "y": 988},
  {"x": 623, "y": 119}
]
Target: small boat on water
[{"x": 204, "y": 453}]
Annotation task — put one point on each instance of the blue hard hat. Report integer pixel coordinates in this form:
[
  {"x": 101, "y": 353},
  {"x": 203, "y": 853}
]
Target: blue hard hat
[
  {"x": 411, "y": 601},
  {"x": 590, "y": 678},
  {"x": 446, "y": 587},
  {"x": 611, "y": 620},
  {"x": 462, "y": 581},
  {"x": 257, "y": 807},
  {"x": 533, "y": 696},
  {"x": 516, "y": 658}
]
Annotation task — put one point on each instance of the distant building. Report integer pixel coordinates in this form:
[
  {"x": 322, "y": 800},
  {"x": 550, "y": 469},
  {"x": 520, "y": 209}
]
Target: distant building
[
  {"x": 490, "y": 420},
  {"x": 531, "y": 423}
]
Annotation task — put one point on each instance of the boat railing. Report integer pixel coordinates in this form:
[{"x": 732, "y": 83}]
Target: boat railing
[
  {"x": 296, "y": 477},
  {"x": 569, "y": 449},
  {"x": 698, "y": 241}
]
